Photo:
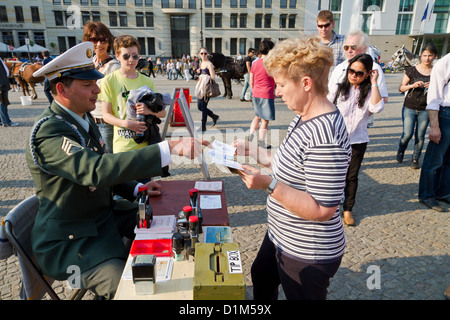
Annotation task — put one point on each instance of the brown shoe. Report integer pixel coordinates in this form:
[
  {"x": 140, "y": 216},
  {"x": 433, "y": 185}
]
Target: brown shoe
[{"x": 348, "y": 218}]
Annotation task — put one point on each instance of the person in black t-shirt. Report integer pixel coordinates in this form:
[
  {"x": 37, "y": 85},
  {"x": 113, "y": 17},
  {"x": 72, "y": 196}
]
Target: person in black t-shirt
[{"x": 415, "y": 118}]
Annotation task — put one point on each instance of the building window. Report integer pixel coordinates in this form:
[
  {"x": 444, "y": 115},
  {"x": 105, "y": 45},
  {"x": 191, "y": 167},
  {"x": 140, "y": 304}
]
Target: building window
[
  {"x": 233, "y": 46},
  {"x": 292, "y": 4},
  {"x": 151, "y": 46},
  {"x": 209, "y": 42},
  {"x": 267, "y": 21},
  {"x": 257, "y": 42},
  {"x": 335, "y": 5},
  {"x": 233, "y": 3},
  {"x": 39, "y": 38},
  {"x": 8, "y": 38},
  {"x": 283, "y": 4},
  {"x": 292, "y": 18},
  {"x": 242, "y": 46},
  {"x": 218, "y": 45},
  {"x": 62, "y": 44},
  {"x": 372, "y": 5},
  {"x": 218, "y": 20},
  {"x": 3, "y": 14},
  {"x": 22, "y": 36},
  {"x": 258, "y": 20},
  {"x": 19, "y": 13},
  {"x": 406, "y": 5},
  {"x": 141, "y": 42},
  {"x": 59, "y": 21},
  {"x": 56, "y": 2},
  {"x": 84, "y": 2},
  {"x": 243, "y": 3},
  {"x": 123, "y": 19},
  {"x": 138, "y": 3},
  {"x": 148, "y": 3},
  {"x": 35, "y": 14},
  {"x": 113, "y": 19},
  {"x": 208, "y": 20},
  {"x": 441, "y": 9},
  {"x": 111, "y": 2},
  {"x": 94, "y": 2},
  {"x": 139, "y": 19},
  {"x": 68, "y": 2},
  {"x": 192, "y": 4},
  {"x": 122, "y": 3},
  {"x": 149, "y": 19},
  {"x": 403, "y": 24},
  {"x": 217, "y": 3},
  {"x": 208, "y": 3},
  {"x": 85, "y": 16},
  {"x": 233, "y": 20},
  {"x": 267, "y": 3},
  {"x": 179, "y": 4},
  {"x": 165, "y": 4},
  {"x": 96, "y": 16},
  {"x": 258, "y": 4},
  {"x": 283, "y": 19},
  {"x": 243, "y": 20}
]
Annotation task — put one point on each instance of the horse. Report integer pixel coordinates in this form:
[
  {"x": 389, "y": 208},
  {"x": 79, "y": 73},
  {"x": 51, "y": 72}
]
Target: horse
[
  {"x": 23, "y": 72},
  {"x": 226, "y": 68},
  {"x": 404, "y": 58}
]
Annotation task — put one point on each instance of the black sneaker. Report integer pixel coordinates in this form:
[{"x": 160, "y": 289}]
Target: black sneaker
[
  {"x": 400, "y": 156},
  {"x": 414, "y": 164}
]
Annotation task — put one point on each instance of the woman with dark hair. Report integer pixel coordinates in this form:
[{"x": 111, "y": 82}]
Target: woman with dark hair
[
  {"x": 414, "y": 116},
  {"x": 207, "y": 73},
  {"x": 357, "y": 97},
  {"x": 103, "y": 40}
]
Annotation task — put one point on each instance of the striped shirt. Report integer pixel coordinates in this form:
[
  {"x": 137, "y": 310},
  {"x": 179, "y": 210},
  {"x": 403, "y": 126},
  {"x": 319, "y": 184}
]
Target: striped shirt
[{"x": 313, "y": 158}]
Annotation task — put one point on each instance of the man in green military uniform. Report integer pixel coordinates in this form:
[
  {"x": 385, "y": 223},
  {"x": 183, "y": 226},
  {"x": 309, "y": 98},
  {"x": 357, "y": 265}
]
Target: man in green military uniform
[{"x": 78, "y": 224}]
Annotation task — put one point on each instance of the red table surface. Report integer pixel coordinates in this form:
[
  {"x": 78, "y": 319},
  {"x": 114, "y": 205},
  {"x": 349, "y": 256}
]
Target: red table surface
[{"x": 175, "y": 195}]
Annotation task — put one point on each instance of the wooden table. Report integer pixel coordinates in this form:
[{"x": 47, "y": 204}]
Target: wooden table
[{"x": 175, "y": 195}]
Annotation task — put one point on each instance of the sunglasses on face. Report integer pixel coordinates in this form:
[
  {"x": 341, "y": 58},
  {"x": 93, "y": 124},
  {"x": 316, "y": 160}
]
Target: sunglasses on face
[
  {"x": 203, "y": 53},
  {"x": 326, "y": 25},
  {"x": 359, "y": 74},
  {"x": 126, "y": 56},
  {"x": 353, "y": 47},
  {"x": 95, "y": 40}
]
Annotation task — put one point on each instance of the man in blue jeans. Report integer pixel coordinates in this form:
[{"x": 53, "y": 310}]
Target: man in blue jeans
[
  {"x": 435, "y": 176},
  {"x": 248, "y": 65}
]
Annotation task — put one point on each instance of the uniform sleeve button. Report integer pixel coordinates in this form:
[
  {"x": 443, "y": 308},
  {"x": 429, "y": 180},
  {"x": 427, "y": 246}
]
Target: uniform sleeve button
[{"x": 71, "y": 237}]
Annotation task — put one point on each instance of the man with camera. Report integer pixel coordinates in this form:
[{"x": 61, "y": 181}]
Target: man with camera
[{"x": 78, "y": 224}]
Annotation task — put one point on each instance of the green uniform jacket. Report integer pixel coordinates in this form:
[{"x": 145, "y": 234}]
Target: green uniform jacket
[{"x": 75, "y": 182}]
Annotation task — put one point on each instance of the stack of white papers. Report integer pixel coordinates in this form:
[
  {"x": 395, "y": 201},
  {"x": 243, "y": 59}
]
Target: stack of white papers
[
  {"x": 211, "y": 186},
  {"x": 162, "y": 227},
  {"x": 222, "y": 155}
]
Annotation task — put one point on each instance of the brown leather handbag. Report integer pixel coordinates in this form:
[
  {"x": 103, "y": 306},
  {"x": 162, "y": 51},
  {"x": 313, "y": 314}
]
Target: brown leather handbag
[{"x": 212, "y": 89}]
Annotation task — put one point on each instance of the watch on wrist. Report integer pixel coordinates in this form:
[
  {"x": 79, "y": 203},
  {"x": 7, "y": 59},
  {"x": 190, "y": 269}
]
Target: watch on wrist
[{"x": 271, "y": 186}]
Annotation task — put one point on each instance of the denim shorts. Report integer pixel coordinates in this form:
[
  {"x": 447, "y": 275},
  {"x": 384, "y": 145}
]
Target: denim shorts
[{"x": 264, "y": 108}]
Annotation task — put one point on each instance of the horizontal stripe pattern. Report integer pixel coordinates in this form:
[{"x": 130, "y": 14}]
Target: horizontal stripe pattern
[{"x": 313, "y": 158}]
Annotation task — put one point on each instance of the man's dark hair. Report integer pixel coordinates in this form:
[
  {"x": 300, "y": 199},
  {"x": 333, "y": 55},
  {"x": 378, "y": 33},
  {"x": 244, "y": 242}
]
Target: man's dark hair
[{"x": 65, "y": 80}]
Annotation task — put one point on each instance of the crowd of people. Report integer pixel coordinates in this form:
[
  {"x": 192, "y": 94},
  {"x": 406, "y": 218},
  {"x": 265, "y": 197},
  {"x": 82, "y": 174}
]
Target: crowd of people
[{"x": 332, "y": 83}]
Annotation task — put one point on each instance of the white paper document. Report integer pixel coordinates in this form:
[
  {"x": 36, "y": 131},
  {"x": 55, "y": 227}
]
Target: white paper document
[
  {"x": 223, "y": 155},
  {"x": 208, "y": 201},
  {"x": 212, "y": 186}
]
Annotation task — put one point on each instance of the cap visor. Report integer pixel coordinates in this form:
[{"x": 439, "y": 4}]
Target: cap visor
[{"x": 87, "y": 75}]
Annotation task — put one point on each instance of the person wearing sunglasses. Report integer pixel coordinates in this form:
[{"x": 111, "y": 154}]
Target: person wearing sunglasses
[
  {"x": 328, "y": 37},
  {"x": 114, "y": 92},
  {"x": 99, "y": 34},
  {"x": 357, "y": 97},
  {"x": 207, "y": 73},
  {"x": 357, "y": 42}
]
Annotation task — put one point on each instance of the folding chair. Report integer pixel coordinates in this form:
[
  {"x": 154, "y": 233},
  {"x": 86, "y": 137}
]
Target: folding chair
[{"x": 16, "y": 227}]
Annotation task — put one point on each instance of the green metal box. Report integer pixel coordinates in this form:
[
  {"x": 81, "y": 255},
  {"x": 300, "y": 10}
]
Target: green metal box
[{"x": 218, "y": 273}]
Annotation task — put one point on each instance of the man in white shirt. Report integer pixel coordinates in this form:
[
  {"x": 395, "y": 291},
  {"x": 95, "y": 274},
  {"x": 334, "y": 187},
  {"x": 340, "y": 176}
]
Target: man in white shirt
[
  {"x": 435, "y": 175},
  {"x": 356, "y": 43}
]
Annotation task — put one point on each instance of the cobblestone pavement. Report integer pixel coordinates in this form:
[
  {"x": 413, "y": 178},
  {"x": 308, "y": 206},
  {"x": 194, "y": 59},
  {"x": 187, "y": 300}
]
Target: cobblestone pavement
[{"x": 394, "y": 234}]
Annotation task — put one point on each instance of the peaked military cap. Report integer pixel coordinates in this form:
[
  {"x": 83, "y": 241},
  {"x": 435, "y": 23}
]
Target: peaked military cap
[{"x": 75, "y": 63}]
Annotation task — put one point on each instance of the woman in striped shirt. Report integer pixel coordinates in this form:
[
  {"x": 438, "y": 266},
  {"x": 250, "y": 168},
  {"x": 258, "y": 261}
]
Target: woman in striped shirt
[{"x": 305, "y": 241}]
